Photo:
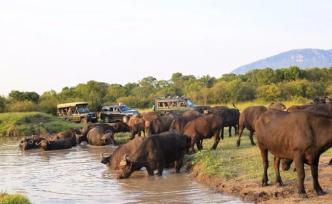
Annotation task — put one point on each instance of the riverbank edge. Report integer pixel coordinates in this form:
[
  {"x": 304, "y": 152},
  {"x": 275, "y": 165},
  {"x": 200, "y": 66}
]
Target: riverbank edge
[{"x": 252, "y": 191}]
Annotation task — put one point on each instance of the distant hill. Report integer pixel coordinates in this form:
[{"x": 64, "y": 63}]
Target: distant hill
[{"x": 303, "y": 58}]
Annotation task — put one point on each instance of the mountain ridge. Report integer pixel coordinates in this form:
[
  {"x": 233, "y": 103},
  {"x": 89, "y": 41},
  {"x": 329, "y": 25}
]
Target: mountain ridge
[{"x": 303, "y": 58}]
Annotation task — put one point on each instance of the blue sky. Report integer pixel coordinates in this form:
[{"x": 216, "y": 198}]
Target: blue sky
[{"x": 47, "y": 44}]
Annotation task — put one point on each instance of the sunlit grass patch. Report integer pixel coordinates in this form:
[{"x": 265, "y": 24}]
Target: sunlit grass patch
[
  {"x": 29, "y": 123},
  {"x": 13, "y": 199}
]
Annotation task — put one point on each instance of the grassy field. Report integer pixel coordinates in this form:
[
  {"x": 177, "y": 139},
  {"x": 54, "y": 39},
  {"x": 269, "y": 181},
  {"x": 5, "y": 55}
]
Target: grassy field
[
  {"x": 13, "y": 199},
  {"x": 28, "y": 123},
  {"x": 240, "y": 164}
]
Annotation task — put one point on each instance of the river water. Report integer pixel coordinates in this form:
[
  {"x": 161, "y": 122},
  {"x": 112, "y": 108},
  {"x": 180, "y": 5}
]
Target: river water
[{"x": 77, "y": 176}]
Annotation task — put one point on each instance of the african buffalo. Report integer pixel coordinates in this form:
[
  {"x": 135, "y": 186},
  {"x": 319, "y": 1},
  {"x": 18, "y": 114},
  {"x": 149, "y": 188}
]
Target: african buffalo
[
  {"x": 30, "y": 142},
  {"x": 323, "y": 109},
  {"x": 180, "y": 122},
  {"x": 136, "y": 126},
  {"x": 102, "y": 134},
  {"x": 113, "y": 160},
  {"x": 120, "y": 127},
  {"x": 204, "y": 127},
  {"x": 147, "y": 118},
  {"x": 248, "y": 119},
  {"x": 277, "y": 106},
  {"x": 98, "y": 136},
  {"x": 298, "y": 136},
  {"x": 156, "y": 152},
  {"x": 162, "y": 123},
  {"x": 230, "y": 118},
  {"x": 62, "y": 140}
]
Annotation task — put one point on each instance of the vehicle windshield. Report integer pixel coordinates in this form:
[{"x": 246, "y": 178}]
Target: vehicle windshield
[
  {"x": 83, "y": 109},
  {"x": 190, "y": 103},
  {"x": 124, "y": 108}
]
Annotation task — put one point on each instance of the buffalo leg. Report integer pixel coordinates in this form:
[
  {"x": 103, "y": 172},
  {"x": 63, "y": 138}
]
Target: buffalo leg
[
  {"x": 149, "y": 170},
  {"x": 330, "y": 163},
  {"x": 277, "y": 171},
  {"x": 264, "y": 154},
  {"x": 216, "y": 141},
  {"x": 199, "y": 144},
  {"x": 251, "y": 136},
  {"x": 178, "y": 165},
  {"x": 299, "y": 165},
  {"x": 239, "y": 139},
  {"x": 314, "y": 173},
  {"x": 160, "y": 169},
  {"x": 230, "y": 131},
  {"x": 193, "y": 141}
]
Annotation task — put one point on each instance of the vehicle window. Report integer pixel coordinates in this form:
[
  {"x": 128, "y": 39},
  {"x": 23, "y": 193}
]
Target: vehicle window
[
  {"x": 190, "y": 103},
  {"x": 123, "y": 108},
  {"x": 82, "y": 109}
]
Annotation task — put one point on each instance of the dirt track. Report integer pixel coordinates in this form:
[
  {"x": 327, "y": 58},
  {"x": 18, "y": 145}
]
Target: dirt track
[{"x": 253, "y": 192}]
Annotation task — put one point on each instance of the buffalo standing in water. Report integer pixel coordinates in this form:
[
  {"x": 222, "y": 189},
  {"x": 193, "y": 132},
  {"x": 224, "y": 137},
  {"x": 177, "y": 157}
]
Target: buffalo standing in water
[
  {"x": 98, "y": 135},
  {"x": 113, "y": 161},
  {"x": 156, "y": 152}
]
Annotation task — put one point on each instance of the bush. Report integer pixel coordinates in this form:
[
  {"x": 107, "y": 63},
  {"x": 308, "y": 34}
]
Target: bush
[{"x": 22, "y": 106}]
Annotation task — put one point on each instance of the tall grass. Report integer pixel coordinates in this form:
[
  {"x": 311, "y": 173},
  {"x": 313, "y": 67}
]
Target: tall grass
[
  {"x": 13, "y": 199},
  {"x": 28, "y": 123}
]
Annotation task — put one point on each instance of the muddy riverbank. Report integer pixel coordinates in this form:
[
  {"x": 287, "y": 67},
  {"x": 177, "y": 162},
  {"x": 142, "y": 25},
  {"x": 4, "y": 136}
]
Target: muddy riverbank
[{"x": 251, "y": 191}]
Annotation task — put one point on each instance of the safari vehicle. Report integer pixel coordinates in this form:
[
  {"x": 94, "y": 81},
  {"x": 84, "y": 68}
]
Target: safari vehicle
[
  {"x": 174, "y": 104},
  {"x": 76, "y": 112},
  {"x": 116, "y": 113}
]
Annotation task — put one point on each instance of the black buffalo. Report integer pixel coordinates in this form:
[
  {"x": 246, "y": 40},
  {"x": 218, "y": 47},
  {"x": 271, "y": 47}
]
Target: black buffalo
[{"x": 156, "y": 152}]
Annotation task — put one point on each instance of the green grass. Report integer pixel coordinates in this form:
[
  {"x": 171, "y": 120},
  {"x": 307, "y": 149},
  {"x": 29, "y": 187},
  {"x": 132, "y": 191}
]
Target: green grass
[
  {"x": 122, "y": 138},
  {"x": 243, "y": 163},
  {"x": 28, "y": 123},
  {"x": 13, "y": 199}
]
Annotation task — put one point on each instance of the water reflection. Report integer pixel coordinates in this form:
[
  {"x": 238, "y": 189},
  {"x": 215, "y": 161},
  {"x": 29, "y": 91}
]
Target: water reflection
[{"x": 77, "y": 176}]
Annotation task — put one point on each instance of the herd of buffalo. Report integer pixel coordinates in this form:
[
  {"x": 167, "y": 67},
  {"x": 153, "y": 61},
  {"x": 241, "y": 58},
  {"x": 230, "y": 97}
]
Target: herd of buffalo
[{"x": 298, "y": 134}]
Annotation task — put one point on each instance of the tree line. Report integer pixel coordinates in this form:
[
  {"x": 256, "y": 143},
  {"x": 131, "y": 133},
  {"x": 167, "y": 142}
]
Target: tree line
[{"x": 266, "y": 84}]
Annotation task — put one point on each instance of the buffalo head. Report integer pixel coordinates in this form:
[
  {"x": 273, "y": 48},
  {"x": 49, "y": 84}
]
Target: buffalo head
[
  {"x": 127, "y": 167},
  {"x": 105, "y": 159}
]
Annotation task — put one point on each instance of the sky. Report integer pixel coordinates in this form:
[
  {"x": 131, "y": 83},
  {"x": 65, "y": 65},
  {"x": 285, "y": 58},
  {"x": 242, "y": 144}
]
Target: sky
[{"x": 47, "y": 45}]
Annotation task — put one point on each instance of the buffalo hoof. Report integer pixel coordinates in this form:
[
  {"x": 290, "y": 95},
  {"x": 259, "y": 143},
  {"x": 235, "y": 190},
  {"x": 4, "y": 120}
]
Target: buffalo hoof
[
  {"x": 320, "y": 192},
  {"x": 303, "y": 195},
  {"x": 253, "y": 144},
  {"x": 264, "y": 184},
  {"x": 280, "y": 184},
  {"x": 238, "y": 143},
  {"x": 330, "y": 163}
]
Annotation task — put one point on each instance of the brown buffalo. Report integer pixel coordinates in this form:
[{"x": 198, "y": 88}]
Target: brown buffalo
[
  {"x": 277, "y": 106},
  {"x": 180, "y": 122},
  {"x": 113, "y": 160},
  {"x": 248, "y": 119},
  {"x": 162, "y": 123},
  {"x": 204, "y": 127},
  {"x": 136, "y": 125},
  {"x": 298, "y": 136},
  {"x": 323, "y": 109},
  {"x": 98, "y": 136},
  {"x": 156, "y": 152},
  {"x": 147, "y": 118}
]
